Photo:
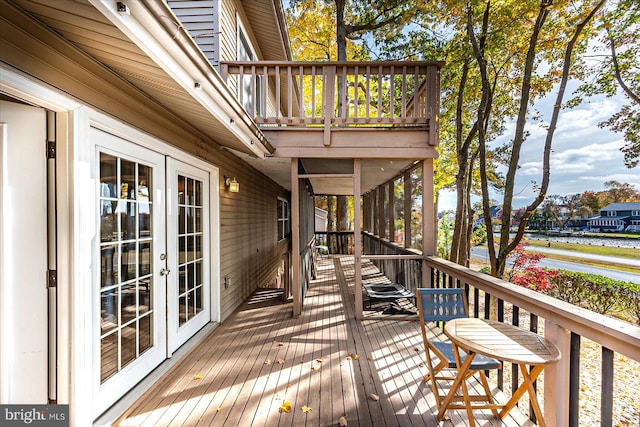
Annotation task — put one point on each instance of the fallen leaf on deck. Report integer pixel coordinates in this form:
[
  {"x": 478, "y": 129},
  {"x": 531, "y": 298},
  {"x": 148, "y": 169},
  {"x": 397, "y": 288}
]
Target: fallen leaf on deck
[
  {"x": 306, "y": 409},
  {"x": 421, "y": 365},
  {"x": 374, "y": 397},
  {"x": 268, "y": 362},
  {"x": 198, "y": 377},
  {"x": 315, "y": 366},
  {"x": 280, "y": 361},
  {"x": 219, "y": 409},
  {"x": 285, "y": 407},
  {"x": 356, "y": 357},
  {"x": 319, "y": 359},
  {"x": 369, "y": 358},
  {"x": 278, "y": 343},
  {"x": 416, "y": 348},
  {"x": 342, "y": 422}
]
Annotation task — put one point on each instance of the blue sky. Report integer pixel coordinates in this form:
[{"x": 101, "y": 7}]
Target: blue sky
[{"x": 584, "y": 156}]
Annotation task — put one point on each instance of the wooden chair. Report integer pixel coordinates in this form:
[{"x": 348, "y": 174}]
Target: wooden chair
[{"x": 441, "y": 305}]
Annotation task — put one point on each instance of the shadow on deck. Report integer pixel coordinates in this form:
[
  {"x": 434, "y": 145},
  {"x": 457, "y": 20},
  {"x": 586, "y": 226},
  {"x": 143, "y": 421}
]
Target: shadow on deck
[{"x": 325, "y": 363}]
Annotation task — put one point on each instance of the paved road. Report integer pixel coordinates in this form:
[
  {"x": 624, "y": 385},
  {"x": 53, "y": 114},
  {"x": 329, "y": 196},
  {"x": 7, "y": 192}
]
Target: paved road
[
  {"x": 605, "y": 258},
  {"x": 481, "y": 254}
]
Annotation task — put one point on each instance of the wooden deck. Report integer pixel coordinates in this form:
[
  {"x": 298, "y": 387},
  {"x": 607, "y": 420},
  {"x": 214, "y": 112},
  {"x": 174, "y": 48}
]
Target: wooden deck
[{"x": 325, "y": 363}]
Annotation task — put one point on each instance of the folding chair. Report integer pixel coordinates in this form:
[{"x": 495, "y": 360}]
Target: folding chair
[{"x": 441, "y": 305}]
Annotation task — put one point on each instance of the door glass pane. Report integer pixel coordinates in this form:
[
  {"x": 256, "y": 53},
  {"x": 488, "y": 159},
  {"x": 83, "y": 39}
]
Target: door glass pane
[
  {"x": 126, "y": 284},
  {"x": 190, "y": 257}
]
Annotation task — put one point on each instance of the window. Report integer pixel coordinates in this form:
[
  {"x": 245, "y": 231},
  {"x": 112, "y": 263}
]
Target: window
[
  {"x": 611, "y": 213},
  {"x": 635, "y": 213},
  {"x": 245, "y": 53},
  {"x": 283, "y": 219}
]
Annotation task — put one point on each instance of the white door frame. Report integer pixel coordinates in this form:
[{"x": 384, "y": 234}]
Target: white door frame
[{"x": 176, "y": 334}]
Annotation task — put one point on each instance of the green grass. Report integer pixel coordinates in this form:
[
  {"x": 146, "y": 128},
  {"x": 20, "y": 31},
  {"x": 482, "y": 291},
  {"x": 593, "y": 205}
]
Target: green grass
[{"x": 588, "y": 249}]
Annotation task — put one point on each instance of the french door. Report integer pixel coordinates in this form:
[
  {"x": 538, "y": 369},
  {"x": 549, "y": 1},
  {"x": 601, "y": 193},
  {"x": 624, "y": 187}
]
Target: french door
[
  {"x": 188, "y": 243},
  {"x": 153, "y": 285}
]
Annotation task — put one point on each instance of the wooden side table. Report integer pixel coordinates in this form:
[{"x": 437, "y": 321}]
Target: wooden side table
[{"x": 504, "y": 342}]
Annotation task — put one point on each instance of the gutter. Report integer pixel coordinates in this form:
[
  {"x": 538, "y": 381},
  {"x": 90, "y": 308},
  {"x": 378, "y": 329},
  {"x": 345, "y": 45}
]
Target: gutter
[{"x": 154, "y": 28}]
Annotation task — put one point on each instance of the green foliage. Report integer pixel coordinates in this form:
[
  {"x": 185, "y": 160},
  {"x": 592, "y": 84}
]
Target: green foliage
[
  {"x": 445, "y": 234},
  {"x": 598, "y": 293},
  {"x": 615, "y": 68}
]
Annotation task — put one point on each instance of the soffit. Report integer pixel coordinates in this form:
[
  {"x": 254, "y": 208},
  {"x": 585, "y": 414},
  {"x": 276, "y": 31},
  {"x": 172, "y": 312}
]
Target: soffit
[
  {"x": 272, "y": 40},
  {"x": 373, "y": 172},
  {"x": 81, "y": 24}
]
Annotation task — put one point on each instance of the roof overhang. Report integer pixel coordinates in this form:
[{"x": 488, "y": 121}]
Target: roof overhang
[
  {"x": 147, "y": 48},
  {"x": 153, "y": 27}
]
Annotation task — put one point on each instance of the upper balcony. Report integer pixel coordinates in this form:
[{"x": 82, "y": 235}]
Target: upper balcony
[{"x": 305, "y": 107}]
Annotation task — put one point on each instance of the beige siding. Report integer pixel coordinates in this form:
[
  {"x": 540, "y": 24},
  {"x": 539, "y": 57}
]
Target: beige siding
[{"x": 250, "y": 253}]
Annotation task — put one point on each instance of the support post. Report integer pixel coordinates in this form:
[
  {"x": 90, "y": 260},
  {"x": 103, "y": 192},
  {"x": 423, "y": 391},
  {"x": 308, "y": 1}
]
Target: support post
[
  {"x": 556, "y": 377},
  {"x": 407, "y": 209},
  {"x": 428, "y": 218},
  {"x": 357, "y": 239},
  {"x": 295, "y": 239}
]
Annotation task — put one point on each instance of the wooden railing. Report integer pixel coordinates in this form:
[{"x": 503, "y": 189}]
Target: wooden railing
[
  {"x": 336, "y": 242},
  {"x": 561, "y": 322},
  {"x": 337, "y": 93}
]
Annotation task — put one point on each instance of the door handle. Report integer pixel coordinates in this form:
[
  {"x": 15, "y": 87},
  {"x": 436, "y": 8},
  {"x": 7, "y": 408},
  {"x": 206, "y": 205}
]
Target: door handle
[{"x": 164, "y": 272}]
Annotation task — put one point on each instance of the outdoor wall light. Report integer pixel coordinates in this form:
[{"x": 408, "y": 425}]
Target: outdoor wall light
[{"x": 232, "y": 184}]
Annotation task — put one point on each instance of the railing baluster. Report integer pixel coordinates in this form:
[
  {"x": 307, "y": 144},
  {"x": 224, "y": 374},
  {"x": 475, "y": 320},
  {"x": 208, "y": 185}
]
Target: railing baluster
[
  {"x": 515, "y": 321},
  {"x": 254, "y": 106},
  {"x": 290, "y": 97},
  {"x": 416, "y": 87},
  {"x": 277, "y": 94},
  {"x": 301, "y": 100},
  {"x": 241, "y": 85},
  {"x": 476, "y": 302},
  {"x": 574, "y": 381},
  {"x": 380, "y": 84},
  {"x": 606, "y": 391},
  {"x": 403, "y": 97},
  {"x": 345, "y": 112},
  {"x": 392, "y": 97},
  {"x": 355, "y": 93},
  {"x": 313, "y": 94},
  {"x": 368, "y": 94},
  {"x": 264, "y": 88},
  {"x": 533, "y": 327}
]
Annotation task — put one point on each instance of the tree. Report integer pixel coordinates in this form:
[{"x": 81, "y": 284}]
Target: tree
[
  {"x": 617, "y": 192},
  {"x": 619, "y": 71},
  {"x": 538, "y": 41}
]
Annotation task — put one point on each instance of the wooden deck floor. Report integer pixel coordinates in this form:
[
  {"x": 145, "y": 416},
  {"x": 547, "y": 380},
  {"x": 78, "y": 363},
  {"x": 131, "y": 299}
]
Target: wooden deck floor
[{"x": 244, "y": 370}]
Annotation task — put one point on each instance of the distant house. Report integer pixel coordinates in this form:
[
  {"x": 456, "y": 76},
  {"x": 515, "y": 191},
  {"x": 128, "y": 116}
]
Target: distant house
[{"x": 617, "y": 217}]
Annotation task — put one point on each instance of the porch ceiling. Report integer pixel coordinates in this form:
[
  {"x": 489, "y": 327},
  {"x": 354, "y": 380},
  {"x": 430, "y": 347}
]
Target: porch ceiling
[
  {"x": 115, "y": 41},
  {"x": 374, "y": 172}
]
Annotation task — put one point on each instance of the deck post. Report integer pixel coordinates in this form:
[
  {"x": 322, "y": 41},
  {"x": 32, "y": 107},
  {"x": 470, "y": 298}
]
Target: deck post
[
  {"x": 357, "y": 262},
  {"x": 556, "y": 377},
  {"x": 429, "y": 218},
  {"x": 407, "y": 209},
  {"x": 295, "y": 239}
]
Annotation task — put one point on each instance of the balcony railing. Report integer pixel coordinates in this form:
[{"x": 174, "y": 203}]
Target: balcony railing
[
  {"x": 563, "y": 323},
  {"x": 337, "y": 93}
]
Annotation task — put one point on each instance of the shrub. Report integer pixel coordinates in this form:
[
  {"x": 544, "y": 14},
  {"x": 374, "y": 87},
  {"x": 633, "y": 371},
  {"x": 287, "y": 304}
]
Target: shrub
[{"x": 598, "y": 293}]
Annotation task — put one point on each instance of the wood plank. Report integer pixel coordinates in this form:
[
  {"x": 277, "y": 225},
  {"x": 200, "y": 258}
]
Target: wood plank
[{"x": 249, "y": 392}]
